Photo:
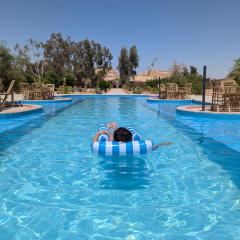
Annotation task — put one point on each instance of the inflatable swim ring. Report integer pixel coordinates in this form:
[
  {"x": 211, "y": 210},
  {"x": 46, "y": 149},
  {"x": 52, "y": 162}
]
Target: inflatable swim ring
[{"x": 105, "y": 147}]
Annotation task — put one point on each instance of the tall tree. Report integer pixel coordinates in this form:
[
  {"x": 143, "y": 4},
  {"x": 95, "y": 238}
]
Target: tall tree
[
  {"x": 185, "y": 71},
  {"x": 102, "y": 62},
  {"x": 102, "y": 57},
  {"x": 88, "y": 57},
  {"x": 151, "y": 66},
  {"x": 30, "y": 59},
  {"x": 177, "y": 69},
  {"x": 123, "y": 66},
  {"x": 133, "y": 61},
  {"x": 57, "y": 52},
  {"x": 193, "y": 70},
  {"x": 6, "y": 63},
  {"x": 235, "y": 70},
  {"x": 56, "y": 59}
]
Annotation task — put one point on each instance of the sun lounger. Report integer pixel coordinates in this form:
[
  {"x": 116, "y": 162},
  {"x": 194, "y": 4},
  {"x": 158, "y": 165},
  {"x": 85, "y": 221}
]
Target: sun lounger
[{"x": 6, "y": 94}]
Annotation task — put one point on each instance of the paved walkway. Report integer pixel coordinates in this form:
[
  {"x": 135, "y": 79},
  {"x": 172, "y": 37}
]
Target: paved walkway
[
  {"x": 17, "y": 97},
  {"x": 199, "y": 98},
  {"x": 116, "y": 91}
]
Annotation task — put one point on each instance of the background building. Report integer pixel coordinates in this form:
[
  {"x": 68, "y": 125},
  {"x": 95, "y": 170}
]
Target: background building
[{"x": 113, "y": 76}]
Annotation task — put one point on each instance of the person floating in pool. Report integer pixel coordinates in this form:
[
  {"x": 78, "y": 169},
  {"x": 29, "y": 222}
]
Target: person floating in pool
[
  {"x": 120, "y": 134},
  {"x": 114, "y": 133}
]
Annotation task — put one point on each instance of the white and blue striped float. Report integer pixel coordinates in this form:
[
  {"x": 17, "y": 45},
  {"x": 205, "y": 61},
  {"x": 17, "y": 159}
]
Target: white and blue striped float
[{"x": 104, "y": 147}]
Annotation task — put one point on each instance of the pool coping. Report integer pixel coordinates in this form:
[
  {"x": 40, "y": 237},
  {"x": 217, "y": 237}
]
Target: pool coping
[
  {"x": 196, "y": 111},
  {"x": 105, "y": 95},
  {"x": 190, "y": 100},
  {"x": 20, "y": 111},
  {"x": 156, "y": 100},
  {"x": 55, "y": 100}
]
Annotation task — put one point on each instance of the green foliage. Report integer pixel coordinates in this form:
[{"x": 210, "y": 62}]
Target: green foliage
[
  {"x": 181, "y": 76},
  {"x": 84, "y": 64},
  {"x": 28, "y": 78},
  {"x": 127, "y": 65},
  {"x": 235, "y": 71},
  {"x": 99, "y": 76},
  {"x": 70, "y": 79},
  {"x": 133, "y": 61},
  {"x": 52, "y": 77},
  {"x": 30, "y": 60},
  {"x": 8, "y": 68},
  {"x": 57, "y": 53},
  {"x": 89, "y": 56},
  {"x": 60, "y": 58},
  {"x": 103, "y": 85},
  {"x": 152, "y": 83},
  {"x": 193, "y": 70},
  {"x": 149, "y": 89},
  {"x": 6, "y": 64},
  {"x": 65, "y": 89},
  {"x": 123, "y": 66},
  {"x": 98, "y": 91},
  {"x": 196, "y": 81},
  {"x": 137, "y": 90}
]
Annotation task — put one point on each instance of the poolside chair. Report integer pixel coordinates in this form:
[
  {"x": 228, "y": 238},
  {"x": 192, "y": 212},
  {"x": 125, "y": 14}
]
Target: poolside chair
[
  {"x": 188, "y": 89},
  {"x": 37, "y": 91},
  {"x": 171, "y": 90},
  {"x": 226, "y": 97},
  {"x": 6, "y": 94},
  {"x": 162, "y": 91},
  {"x": 26, "y": 91},
  {"x": 228, "y": 83},
  {"x": 51, "y": 88},
  {"x": 1, "y": 85},
  {"x": 182, "y": 93}
]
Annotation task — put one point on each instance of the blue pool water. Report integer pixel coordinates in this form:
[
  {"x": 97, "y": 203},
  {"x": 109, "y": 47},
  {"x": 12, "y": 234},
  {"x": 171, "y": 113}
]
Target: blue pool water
[{"x": 52, "y": 187}]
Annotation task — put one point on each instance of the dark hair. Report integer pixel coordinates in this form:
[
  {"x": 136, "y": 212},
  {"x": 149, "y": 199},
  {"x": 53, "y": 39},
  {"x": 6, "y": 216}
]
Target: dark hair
[{"x": 122, "y": 135}]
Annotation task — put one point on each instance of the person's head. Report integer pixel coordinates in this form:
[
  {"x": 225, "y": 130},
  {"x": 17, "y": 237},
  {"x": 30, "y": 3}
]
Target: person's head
[{"x": 122, "y": 135}]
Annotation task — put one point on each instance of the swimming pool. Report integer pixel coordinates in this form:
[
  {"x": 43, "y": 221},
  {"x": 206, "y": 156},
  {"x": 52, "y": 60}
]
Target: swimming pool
[{"x": 52, "y": 187}]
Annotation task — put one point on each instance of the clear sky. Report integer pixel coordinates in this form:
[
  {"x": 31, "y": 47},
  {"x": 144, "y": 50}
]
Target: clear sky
[{"x": 194, "y": 32}]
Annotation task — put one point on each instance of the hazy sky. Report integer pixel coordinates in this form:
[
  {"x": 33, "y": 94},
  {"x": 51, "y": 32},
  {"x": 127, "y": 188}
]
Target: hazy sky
[{"x": 203, "y": 32}]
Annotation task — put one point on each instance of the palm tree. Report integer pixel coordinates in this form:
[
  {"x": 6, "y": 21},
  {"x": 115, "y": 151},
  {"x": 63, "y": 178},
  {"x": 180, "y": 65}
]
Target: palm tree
[{"x": 235, "y": 70}]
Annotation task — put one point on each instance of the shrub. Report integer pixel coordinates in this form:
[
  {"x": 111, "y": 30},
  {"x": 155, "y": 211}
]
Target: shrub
[
  {"x": 137, "y": 90},
  {"x": 98, "y": 91},
  {"x": 149, "y": 89},
  {"x": 70, "y": 79},
  {"x": 181, "y": 80},
  {"x": 103, "y": 85},
  {"x": 151, "y": 83},
  {"x": 64, "y": 89},
  {"x": 53, "y": 78}
]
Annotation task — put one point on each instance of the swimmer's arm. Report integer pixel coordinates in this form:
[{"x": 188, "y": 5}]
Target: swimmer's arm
[
  {"x": 161, "y": 144},
  {"x": 112, "y": 125},
  {"x": 95, "y": 139}
]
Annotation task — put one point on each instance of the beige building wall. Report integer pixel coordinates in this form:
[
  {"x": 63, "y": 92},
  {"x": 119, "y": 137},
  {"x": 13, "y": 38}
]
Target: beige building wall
[{"x": 113, "y": 75}]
